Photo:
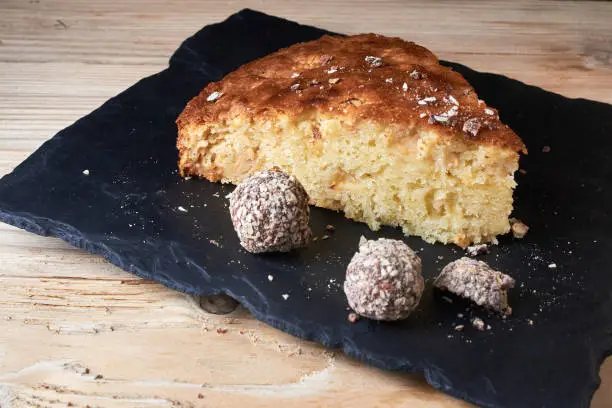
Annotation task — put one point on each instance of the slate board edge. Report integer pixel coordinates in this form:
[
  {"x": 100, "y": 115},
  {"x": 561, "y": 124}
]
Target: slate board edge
[{"x": 69, "y": 234}]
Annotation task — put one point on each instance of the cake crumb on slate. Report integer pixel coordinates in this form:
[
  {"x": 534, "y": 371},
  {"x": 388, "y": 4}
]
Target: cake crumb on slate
[
  {"x": 353, "y": 317},
  {"x": 478, "y": 323},
  {"x": 476, "y": 250},
  {"x": 519, "y": 229}
]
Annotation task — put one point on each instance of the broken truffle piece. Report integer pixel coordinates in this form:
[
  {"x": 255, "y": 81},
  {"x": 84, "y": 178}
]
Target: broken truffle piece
[
  {"x": 383, "y": 280},
  {"x": 270, "y": 212},
  {"x": 478, "y": 282}
]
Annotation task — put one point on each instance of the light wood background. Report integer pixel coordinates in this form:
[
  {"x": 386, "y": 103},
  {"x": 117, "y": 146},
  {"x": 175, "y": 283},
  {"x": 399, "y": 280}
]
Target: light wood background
[{"x": 67, "y": 317}]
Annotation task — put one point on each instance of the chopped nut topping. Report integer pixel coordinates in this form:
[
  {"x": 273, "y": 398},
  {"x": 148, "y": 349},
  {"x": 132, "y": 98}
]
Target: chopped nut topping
[
  {"x": 471, "y": 126},
  {"x": 405, "y": 87},
  {"x": 295, "y": 87},
  {"x": 334, "y": 80},
  {"x": 437, "y": 118},
  {"x": 489, "y": 111},
  {"x": 214, "y": 96},
  {"x": 295, "y": 75},
  {"x": 422, "y": 115},
  {"x": 417, "y": 75},
  {"x": 373, "y": 61},
  {"x": 313, "y": 82},
  {"x": 519, "y": 229},
  {"x": 425, "y": 101},
  {"x": 453, "y": 100},
  {"x": 481, "y": 102},
  {"x": 332, "y": 70},
  {"x": 445, "y": 116},
  {"x": 389, "y": 80},
  {"x": 325, "y": 59}
]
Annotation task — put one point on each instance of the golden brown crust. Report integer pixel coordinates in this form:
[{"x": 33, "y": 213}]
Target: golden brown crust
[{"x": 365, "y": 76}]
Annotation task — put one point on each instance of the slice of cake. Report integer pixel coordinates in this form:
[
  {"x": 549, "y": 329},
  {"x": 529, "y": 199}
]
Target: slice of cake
[{"x": 370, "y": 125}]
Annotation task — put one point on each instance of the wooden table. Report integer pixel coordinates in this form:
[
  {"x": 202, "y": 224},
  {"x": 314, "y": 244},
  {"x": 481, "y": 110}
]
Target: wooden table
[{"x": 74, "y": 329}]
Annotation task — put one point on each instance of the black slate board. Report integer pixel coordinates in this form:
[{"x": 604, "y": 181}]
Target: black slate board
[{"x": 126, "y": 209}]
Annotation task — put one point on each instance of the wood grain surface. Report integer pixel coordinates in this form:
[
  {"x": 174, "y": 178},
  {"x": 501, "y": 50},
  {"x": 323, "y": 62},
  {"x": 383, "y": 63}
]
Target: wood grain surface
[{"x": 76, "y": 331}]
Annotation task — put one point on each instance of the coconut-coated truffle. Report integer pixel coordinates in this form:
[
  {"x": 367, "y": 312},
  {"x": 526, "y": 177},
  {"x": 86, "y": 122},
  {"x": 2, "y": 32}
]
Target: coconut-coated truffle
[
  {"x": 383, "y": 280},
  {"x": 270, "y": 212}
]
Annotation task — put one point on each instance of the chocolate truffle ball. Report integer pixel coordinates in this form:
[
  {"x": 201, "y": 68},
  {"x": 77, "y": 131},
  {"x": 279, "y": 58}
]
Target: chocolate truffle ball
[
  {"x": 383, "y": 280},
  {"x": 270, "y": 212}
]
